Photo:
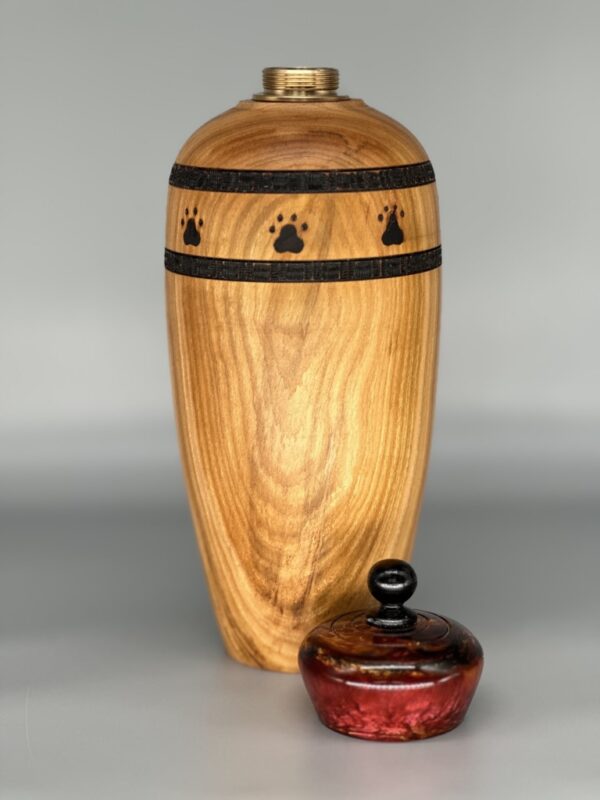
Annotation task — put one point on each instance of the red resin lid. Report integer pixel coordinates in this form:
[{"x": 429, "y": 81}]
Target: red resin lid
[{"x": 391, "y": 673}]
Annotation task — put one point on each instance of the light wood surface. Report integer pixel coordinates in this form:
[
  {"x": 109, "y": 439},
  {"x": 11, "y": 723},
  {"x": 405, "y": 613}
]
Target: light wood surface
[
  {"x": 304, "y": 410},
  {"x": 338, "y": 225},
  {"x": 305, "y": 416},
  {"x": 348, "y": 135}
]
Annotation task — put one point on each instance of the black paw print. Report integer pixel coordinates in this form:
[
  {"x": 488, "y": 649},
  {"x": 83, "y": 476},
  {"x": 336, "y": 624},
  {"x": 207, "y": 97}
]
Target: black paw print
[
  {"x": 289, "y": 240},
  {"x": 393, "y": 233},
  {"x": 191, "y": 226}
]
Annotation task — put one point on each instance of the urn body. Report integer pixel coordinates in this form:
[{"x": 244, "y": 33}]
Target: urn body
[{"x": 303, "y": 283}]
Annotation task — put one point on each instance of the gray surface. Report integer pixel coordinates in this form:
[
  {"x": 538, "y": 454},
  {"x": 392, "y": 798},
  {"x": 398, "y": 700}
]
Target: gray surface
[
  {"x": 116, "y": 684},
  {"x": 113, "y": 680}
]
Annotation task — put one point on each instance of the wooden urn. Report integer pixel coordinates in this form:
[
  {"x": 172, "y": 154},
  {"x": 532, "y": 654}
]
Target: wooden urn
[{"x": 302, "y": 277}]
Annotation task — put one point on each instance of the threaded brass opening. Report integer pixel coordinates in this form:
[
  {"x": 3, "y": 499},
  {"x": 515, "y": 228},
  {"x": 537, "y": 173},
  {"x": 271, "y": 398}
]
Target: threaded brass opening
[
  {"x": 300, "y": 83},
  {"x": 307, "y": 79}
]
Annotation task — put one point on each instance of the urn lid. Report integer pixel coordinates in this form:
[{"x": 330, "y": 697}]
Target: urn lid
[{"x": 391, "y": 672}]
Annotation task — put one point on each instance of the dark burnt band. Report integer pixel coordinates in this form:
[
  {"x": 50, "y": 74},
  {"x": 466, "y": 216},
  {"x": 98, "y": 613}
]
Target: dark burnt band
[
  {"x": 352, "y": 269},
  {"x": 301, "y": 181}
]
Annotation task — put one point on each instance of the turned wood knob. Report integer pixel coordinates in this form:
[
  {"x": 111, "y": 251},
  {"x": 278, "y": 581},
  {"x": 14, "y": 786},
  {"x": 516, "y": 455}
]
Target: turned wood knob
[{"x": 392, "y": 582}]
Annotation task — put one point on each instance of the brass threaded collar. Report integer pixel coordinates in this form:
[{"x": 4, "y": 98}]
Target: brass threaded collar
[
  {"x": 293, "y": 84},
  {"x": 307, "y": 79}
]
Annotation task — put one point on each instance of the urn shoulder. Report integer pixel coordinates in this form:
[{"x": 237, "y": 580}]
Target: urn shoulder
[{"x": 346, "y": 134}]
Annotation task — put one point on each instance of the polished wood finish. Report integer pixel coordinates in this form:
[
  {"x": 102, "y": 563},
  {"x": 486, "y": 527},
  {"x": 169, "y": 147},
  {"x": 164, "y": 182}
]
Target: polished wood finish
[
  {"x": 347, "y": 134},
  {"x": 304, "y": 410},
  {"x": 304, "y": 415},
  {"x": 338, "y": 225}
]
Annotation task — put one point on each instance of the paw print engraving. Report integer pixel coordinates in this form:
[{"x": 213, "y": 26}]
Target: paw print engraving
[
  {"x": 191, "y": 225},
  {"x": 393, "y": 233},
  {"x": 289, "y": 239}
]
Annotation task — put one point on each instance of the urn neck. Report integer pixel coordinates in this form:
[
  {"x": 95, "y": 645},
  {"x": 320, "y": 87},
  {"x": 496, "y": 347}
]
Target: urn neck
[{"x": 299, "y": 84}]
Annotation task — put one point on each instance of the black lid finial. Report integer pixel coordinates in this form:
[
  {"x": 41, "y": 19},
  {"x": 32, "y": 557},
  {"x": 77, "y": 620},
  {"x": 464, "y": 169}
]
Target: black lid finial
[{"x": 392, "y": 582}]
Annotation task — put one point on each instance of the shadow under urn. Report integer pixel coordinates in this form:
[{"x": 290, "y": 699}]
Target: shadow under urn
[{"x": 391, "y": 674}]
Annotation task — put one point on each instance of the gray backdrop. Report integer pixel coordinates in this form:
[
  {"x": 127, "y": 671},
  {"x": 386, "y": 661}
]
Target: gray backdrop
[{"x": 114, "y": 683}]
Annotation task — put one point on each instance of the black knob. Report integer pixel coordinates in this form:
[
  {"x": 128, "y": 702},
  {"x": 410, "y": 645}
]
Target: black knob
[{"x": 392, "y": 582}]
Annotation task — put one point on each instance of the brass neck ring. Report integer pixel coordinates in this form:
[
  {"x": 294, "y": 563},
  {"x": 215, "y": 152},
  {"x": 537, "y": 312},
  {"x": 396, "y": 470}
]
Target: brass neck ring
[{"x": 299, "y": 84}]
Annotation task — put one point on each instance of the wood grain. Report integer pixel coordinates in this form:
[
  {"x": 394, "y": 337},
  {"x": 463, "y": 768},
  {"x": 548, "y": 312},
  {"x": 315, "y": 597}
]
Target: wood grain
[
  {"x": 339, "y": 225},
  {"x": 338, "y": 135},
  {"x": 304, "y": 410},
  {"x": 304, "y": 414}
]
